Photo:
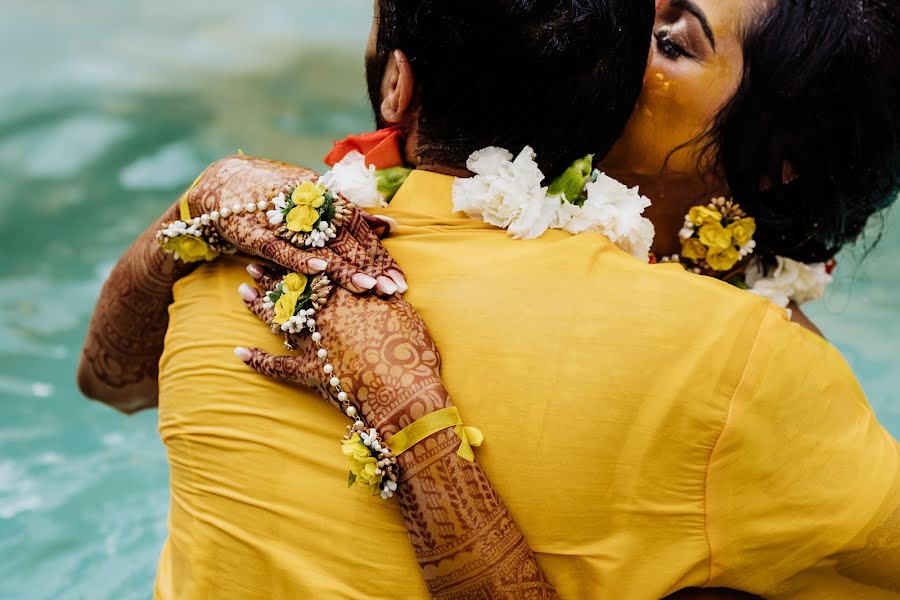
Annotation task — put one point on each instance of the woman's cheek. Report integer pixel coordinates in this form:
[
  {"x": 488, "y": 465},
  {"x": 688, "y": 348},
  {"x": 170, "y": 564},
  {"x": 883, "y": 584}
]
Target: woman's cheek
[{"x": 664, "y": 120}]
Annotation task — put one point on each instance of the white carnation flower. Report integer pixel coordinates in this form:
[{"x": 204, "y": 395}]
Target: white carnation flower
[
  {"x": 354, "y": 180},
  {"x": 790, "y": 281},
  {"x": 615, "y": 211},
  {"x": 488, "y": 161},
  {"x": 506, "y": 193}
]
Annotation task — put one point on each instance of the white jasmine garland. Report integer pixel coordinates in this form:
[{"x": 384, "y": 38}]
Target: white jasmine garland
[
  {"x": 507, "y": 193},
  {"x": 790, "y": 281},
  {"x": 353, "y": 179}
]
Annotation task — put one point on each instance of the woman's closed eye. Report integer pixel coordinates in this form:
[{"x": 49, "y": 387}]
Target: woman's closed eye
[{"x": 669, "y": 47}]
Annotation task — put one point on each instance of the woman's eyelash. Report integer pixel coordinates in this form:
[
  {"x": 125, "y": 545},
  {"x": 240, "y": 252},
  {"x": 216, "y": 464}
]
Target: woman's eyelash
[{"x": 669, "y": 48}]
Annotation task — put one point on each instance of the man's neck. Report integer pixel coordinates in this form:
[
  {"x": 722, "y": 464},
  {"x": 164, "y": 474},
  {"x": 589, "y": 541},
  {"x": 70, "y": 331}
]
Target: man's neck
[{"x": 444, "y": 169}]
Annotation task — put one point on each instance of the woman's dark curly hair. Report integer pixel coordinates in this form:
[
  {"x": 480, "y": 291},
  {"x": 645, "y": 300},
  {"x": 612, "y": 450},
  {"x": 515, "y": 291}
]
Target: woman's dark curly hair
[{"x": 809, "y": 143}]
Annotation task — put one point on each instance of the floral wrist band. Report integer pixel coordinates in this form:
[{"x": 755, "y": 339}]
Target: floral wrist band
[
  {"x": 373, "y": 461},
  {"x": 192, "y": 239},
  {"x": 306, "y": 214}
]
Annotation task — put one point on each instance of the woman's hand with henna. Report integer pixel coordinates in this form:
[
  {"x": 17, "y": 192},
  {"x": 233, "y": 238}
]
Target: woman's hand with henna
[
  {"x": 379, "y": 349},
  {"x": 355, "y": 259}
]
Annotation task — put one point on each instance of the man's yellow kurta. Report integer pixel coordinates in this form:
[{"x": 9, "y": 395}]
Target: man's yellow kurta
[{"x": 648, "y": 429}]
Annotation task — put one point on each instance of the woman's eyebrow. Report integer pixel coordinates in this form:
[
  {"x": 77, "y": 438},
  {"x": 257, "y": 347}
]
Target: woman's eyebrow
[{"x": 701, "y": 17}]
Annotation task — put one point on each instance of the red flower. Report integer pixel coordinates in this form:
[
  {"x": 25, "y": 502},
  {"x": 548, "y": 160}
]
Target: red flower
[{"x": 381, "y": 148}]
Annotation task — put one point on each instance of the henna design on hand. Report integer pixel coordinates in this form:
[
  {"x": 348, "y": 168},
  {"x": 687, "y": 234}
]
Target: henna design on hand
[
  {"x": 466, "y": 542},
  {"x": 243, "y": 180}
]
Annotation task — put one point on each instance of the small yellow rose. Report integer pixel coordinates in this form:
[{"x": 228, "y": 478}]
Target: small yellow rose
[
  {"x": 363, "y": 465},
  {"x": 715, "y": 236},
  {"x": 693, "y": 249},
  {"x": 302, "y": 218},
  {"x": 286, "y": 307},
  {"x": 723, "y": 259},
  {"x": 354, "y": 448},
  {"x": 366, "y": 475},
  {"x": 295, "y": 282},
  {"x": 309, "y": 194},
  {"x": 743, "y": 230},
  {"x": 190, "y": 249},
  {"x": 704, "y": 215}
]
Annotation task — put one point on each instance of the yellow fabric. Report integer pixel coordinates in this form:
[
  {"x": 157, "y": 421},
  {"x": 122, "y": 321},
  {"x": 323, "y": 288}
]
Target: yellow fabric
[
  {"x": 184, "y": 206},
  {"x": 649, "y": 430},
  {"x": 432, "y": 423}
]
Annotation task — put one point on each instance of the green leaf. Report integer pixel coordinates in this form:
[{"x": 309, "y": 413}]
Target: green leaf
[
  {"x": 351, "y": 480},
  {"x": 390, "y": 180},
  {"x": 328, "y": 209},
  {"x": 739, "y": 282},
  {"x": 572, "y": 182}
]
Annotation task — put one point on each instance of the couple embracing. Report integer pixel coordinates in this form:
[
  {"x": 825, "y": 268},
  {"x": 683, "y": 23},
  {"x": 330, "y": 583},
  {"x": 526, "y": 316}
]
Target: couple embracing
[{"x": 645, "y": 429}]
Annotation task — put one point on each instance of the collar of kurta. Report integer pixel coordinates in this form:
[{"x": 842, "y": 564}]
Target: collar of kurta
[{"x": 426, "y": 198}]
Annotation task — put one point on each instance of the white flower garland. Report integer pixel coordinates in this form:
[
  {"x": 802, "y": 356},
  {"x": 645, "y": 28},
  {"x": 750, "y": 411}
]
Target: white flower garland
[
  {"x": 507, "y": 193},
  {"x": 354, "y": 180},
  {"x": 790, "y": 281}
]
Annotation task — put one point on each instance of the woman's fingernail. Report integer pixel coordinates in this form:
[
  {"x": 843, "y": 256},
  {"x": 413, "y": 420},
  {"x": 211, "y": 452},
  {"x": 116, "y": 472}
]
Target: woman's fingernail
[
  {"x": 386, "y": 286},
  {"x": 398, "y": 278},
  {"x": 256, "y": 271},
  {"x": 243, "y": 353},
  {"x": 317, "y": 264},
  {"x": 248, "y": 293},
  {"x": 361, "y": 280}
]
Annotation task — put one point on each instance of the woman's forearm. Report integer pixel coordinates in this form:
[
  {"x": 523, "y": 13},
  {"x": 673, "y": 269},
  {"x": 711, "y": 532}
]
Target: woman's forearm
[
  {"x": 467, "y": 543},
  {"x": 120, "y": 357}
]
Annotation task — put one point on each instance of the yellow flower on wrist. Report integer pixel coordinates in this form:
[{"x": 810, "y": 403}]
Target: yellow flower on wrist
[
  {"x": 363, "y": 465},
  {"x": 286, "y": 307},
  {"x": 190, "y": 249},
  {"x": 715, "y": 236},
  {"x": 743, "y": 230},
  {"x": 703, "y": 215},
  {"x": 723, "y": 259},
  {"x": 693, "y": 249},
  {"x": 296, "y": 283},
  {"x": 309, "y": 194},
  {"x": 302, "y": 218}
]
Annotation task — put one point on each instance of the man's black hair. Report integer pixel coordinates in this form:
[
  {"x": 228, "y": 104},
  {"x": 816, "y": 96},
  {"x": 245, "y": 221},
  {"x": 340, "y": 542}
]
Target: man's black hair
[{"x": 561, "y": 76}]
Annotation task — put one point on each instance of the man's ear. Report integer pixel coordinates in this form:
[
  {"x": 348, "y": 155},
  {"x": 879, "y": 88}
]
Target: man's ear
[{"x": 397, "y": 89}]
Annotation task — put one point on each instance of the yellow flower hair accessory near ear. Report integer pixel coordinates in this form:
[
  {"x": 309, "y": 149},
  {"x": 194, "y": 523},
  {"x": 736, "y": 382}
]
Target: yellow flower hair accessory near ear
[{"x": 715, "y": 238}]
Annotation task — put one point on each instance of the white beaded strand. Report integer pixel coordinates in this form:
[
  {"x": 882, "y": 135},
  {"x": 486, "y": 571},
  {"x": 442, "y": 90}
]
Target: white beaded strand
[{"x": 333, "y": 380}]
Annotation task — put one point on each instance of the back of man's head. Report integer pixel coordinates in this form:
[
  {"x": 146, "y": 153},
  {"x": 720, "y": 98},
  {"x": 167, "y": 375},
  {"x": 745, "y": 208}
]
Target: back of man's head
[{"x": 559, "y": 75}]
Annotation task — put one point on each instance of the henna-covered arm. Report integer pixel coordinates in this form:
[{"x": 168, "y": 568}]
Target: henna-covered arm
[
  {"x": 119, "y": 360},
  {"x": 467, "y": 544}
]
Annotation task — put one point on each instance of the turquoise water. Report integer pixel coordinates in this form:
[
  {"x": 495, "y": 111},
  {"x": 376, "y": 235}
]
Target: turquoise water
[{"x": 107, "y": 110}]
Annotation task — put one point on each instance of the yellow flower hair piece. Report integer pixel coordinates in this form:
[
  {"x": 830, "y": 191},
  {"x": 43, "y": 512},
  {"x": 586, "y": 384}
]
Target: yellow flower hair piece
[{"x": 715, "y": 238}]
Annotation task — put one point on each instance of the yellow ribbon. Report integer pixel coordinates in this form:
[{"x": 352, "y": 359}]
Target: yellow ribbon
[
  {"x": 183, "y": 206},
  {"x": 429, "y": 425}
]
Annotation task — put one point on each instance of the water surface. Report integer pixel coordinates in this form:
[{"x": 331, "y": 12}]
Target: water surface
[{"x": 108, "y": 109}]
